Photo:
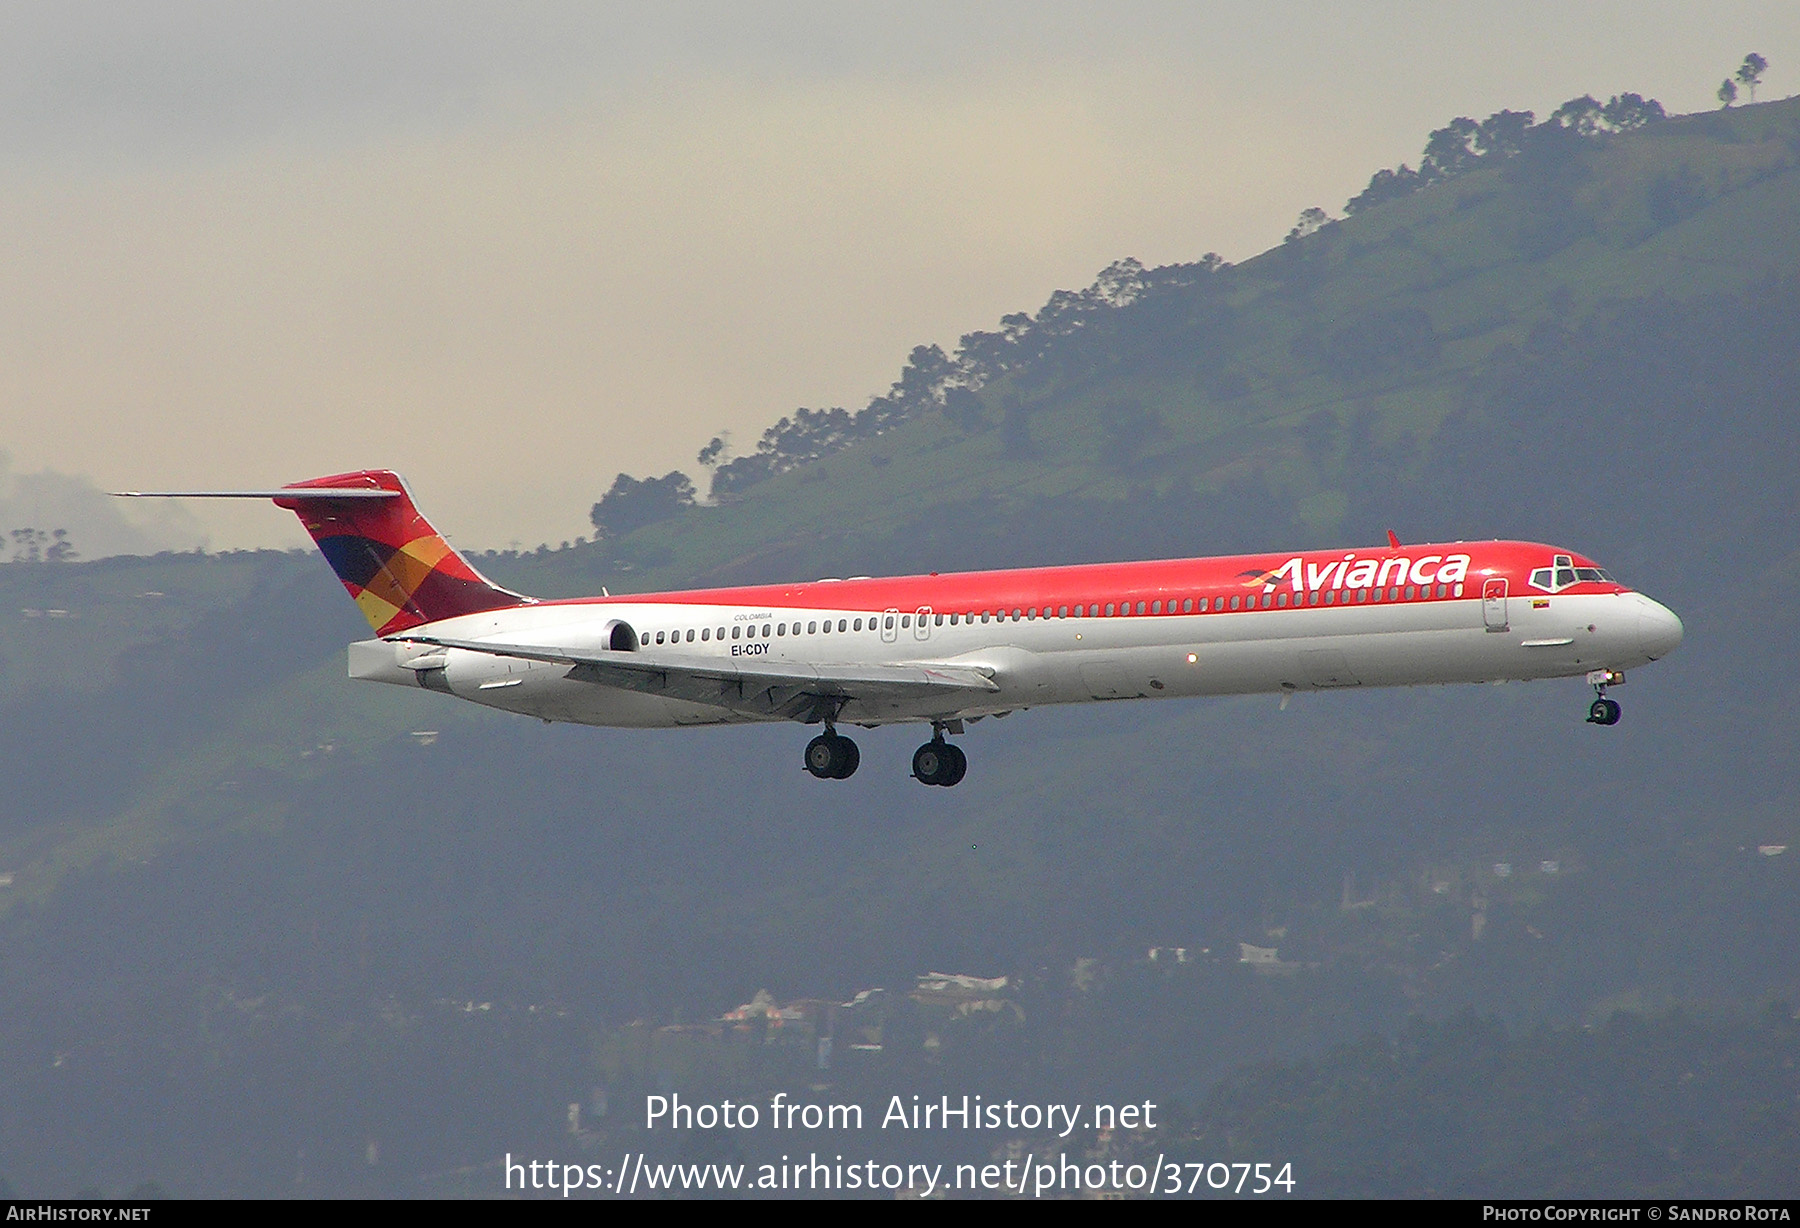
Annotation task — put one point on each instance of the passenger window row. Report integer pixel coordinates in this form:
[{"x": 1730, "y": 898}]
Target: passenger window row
[{"x": 1110, "y": 609}]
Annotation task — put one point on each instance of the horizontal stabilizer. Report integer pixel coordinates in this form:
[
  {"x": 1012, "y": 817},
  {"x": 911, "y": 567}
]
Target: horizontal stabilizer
[
  {"x": 397, "y": 568},
  {"x": 286, "y": 492}
]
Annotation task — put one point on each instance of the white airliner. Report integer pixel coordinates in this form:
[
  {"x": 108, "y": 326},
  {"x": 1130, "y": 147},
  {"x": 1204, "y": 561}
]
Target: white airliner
[{"x": 945, "y": 649}]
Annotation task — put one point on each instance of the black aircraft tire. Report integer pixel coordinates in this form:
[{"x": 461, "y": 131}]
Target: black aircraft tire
[
  {"x": 959, "y": 766},
  {"x": 848, "y": 759}
]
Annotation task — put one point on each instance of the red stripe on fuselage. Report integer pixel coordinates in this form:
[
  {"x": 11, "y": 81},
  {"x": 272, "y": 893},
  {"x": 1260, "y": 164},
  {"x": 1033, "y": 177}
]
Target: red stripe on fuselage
[{"x": 1155, "y": 580}]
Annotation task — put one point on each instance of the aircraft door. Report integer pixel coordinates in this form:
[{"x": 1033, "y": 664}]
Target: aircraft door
[
  {"x": 890, "y": 625},
  {"x": 1493, "y": 604},
  {"x": 922, "y": 623}
]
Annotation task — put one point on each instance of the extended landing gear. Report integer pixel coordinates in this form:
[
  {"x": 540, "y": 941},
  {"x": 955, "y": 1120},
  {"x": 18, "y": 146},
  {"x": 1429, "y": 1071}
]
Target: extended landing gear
[
  {"x": 1604, "y": 711},
  {"x": 832, "y": 756},
  {"x": 939, "y": 763}
]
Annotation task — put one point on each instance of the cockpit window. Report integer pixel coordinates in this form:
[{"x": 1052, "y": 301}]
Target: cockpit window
[{"x": 1563, "y": 573}]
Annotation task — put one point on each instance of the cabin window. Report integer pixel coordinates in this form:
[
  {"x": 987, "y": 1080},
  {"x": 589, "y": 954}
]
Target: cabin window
[
  {"x": 1312, "y": 598},
  {"x": 843, "y": 624},
  {"x": 858, "y": 626},
  {"x": 1457, "y": 591},
  {"x": 690, "y": 635},
  {"x": 888, "y": 622},
  {"x": 781, "y": 628},
  {"x": 705, "y": 634},
  {"x": 1411, "y": 593},
  {"x": 905, "y": 620},
  {"x": 1203, "y": 604},
  {"x": 1156, "y": 607},
  {"x": 1394, "y": 593},
  {"x": 937, "y": 620},
  {"x": 1030, "y": 613},
  {"x": 1109, "y": 609},
  {"x": 734, "y": 632},
  {"x": 1282, "y": 601},
  {"x": 1140, "y": 607},
  {"x": 812, "y": 628},
  {"x": 766, "y": 629},
  {"x": 955, "y": 619},
  {"x": 659, "y": 637},
  {"x": 1062, "y": 611}
]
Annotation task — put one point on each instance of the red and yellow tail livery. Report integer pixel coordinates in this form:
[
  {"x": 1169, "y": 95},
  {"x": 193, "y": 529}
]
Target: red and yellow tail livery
[{"x": 398, "y": 569}]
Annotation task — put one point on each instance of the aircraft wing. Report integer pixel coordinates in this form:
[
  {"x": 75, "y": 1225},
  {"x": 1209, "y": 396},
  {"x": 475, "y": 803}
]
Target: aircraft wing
[{"x": 792, "y": 689}]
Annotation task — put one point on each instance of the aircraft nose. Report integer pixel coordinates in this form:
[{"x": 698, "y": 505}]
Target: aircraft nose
[{"x": 1659, "y": 630}]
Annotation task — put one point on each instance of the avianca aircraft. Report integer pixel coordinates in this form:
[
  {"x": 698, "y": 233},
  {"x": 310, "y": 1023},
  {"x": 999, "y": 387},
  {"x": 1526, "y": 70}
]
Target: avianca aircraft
[{"x": 947, "y": 649}]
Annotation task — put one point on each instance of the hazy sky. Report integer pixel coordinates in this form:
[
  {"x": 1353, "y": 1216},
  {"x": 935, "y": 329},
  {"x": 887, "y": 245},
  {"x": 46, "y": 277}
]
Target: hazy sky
[{"x": 511, "y": 250}]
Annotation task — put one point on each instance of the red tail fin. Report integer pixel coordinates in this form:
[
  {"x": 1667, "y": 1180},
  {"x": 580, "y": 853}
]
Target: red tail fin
[{"x": 399, "y": 570}]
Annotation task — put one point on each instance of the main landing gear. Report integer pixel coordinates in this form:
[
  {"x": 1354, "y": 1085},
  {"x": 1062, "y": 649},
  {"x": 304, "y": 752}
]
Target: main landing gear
[
  {"x": 1604, "y": 711},
  {"x": 832, "y": 756},
  {"x": 939, "y": 763}
]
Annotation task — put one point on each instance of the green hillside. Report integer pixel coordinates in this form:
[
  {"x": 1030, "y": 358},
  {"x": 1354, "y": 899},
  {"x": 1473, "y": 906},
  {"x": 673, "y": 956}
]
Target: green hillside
[
  {"x": 256, "y": 919},
  {"x": 1214, "y": 383}
]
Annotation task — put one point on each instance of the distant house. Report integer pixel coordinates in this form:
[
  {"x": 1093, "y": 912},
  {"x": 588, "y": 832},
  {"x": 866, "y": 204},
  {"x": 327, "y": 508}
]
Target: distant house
[
  {"x": 965, "y": 995},
  {"x": 1265, "y": 961},
  {"x": 951, "y": 988}
]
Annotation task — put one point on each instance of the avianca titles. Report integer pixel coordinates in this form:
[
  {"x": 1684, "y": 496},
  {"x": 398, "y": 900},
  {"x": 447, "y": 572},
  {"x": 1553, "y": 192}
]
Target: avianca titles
[{"x": 947, "y": 649}]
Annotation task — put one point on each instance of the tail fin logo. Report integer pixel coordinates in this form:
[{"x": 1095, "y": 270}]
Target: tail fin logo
[{"x": 397, "y": 568}]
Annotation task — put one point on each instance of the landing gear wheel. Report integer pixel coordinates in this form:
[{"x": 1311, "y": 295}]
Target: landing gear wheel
[
  {"x": 931, "y": 763},
  {"x": 939, "y": 763},
  {"x": 1603, "y": 712},
  {"x": 832, "y": 756}
]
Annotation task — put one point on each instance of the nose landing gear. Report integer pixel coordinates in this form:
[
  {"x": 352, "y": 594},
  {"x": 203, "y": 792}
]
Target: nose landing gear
[
  {"x": 1603, "y": 711},
  {"x": 939, "y": 763},
  {"x": 832, "y": 756}
]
